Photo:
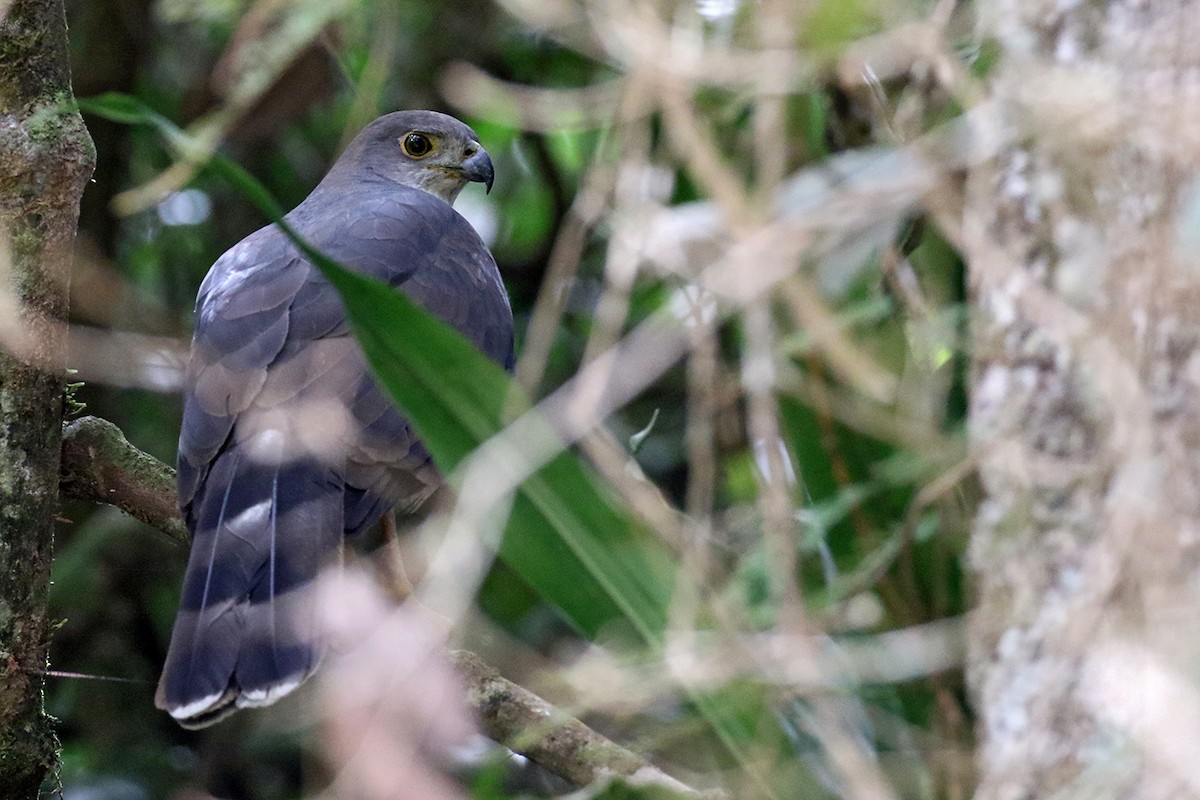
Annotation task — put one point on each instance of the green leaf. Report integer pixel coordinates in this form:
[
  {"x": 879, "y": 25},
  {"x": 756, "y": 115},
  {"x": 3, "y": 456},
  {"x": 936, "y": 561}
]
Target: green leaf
[
  {"x": 117, "y": 108},
  {"x": 568, "y": 536}
]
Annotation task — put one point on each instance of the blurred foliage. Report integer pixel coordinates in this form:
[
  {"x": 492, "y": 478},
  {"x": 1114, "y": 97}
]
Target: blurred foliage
[{"x": 877, "y": 498}]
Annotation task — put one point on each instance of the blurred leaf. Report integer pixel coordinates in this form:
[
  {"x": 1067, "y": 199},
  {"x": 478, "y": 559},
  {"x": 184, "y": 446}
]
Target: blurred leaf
[
  {"x": 117, "y": 108},
  {"x": 636, "y": 440},
  {"x": 816, "y": 124},
  {"x": 527, "y": 217},
  {"x": 489, "y": 782},
  {"x": 741, "y": 484},
  {"x": 569, "y": 148},
  {"x": 831, "y": 24},
  {"x": 985, "y": 57}
]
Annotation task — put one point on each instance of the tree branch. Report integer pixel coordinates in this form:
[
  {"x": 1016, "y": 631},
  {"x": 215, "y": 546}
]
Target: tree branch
[
  {"x": 526, "y": 724},
  {"x": 99, "y": 464}
]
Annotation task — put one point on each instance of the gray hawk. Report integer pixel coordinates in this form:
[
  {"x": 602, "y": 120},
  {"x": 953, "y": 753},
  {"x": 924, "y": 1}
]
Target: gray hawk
[{"x": 288, "y": 445}]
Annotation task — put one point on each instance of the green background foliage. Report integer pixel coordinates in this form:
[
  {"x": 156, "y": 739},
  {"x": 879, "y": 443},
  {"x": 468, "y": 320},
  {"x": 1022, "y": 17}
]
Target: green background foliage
[{"x": 874, "y": 552}]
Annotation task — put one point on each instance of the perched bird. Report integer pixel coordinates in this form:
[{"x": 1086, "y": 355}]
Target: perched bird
[{"x": 288, "y": 445}]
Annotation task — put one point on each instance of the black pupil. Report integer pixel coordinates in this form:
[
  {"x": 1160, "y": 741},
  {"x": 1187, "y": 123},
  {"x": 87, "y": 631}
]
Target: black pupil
[{"x": 417, "y": 144}]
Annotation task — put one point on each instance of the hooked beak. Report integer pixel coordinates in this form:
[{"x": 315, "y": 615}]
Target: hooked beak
[{"x": 478, "y": 168}]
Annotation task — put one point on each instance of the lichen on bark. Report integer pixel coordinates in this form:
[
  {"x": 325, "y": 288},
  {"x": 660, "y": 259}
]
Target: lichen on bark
[
  {"x": 1085, "y": 410},
  {"x": 45, "y": 159}
]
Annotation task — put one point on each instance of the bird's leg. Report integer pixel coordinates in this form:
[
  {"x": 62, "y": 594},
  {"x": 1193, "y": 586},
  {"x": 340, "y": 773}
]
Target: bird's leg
[
  {"x": 390, "y": 563},
  {"x": 393, "y": 578}
]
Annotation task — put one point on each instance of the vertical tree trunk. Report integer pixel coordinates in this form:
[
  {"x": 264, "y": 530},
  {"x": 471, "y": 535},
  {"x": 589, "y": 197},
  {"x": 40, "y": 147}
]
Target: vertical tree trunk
[
  {"x": 45, "y": 160},
  {"x": 1084, "y": 250}
]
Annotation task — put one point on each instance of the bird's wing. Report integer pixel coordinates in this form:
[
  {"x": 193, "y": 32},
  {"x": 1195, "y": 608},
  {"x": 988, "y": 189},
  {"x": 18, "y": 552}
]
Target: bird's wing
[
  {"x": 456, "y": 280},
  {"x": 261, "y": 456}
]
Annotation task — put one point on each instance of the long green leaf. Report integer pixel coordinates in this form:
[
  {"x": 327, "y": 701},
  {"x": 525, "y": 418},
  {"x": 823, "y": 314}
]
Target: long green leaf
[{"x": 568, "y": 536}]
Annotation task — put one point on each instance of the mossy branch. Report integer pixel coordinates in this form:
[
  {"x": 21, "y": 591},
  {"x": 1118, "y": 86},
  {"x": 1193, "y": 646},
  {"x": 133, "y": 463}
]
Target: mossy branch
[
  {"x": 526, "y": 724},
  {"x": 99, "y": 464}
]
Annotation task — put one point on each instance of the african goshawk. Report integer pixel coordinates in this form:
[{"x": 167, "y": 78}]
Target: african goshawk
[{"x": 288, "y": 445}]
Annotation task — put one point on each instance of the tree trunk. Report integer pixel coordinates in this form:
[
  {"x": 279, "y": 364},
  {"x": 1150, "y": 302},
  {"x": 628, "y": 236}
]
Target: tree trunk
[
  {"x": 45, "y": 160},
  {"x": 1084, "y": 251}
]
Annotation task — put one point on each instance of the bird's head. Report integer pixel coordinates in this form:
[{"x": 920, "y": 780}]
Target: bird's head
[{"x": 422, "y": 149}]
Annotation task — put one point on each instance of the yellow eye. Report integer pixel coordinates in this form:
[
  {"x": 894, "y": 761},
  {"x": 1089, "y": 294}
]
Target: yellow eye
[{"x": 416, "y": 145}]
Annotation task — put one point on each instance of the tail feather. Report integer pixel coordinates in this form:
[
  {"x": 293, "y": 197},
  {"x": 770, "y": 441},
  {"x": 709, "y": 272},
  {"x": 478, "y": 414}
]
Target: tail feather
[{"x": 246, "y": 632}]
